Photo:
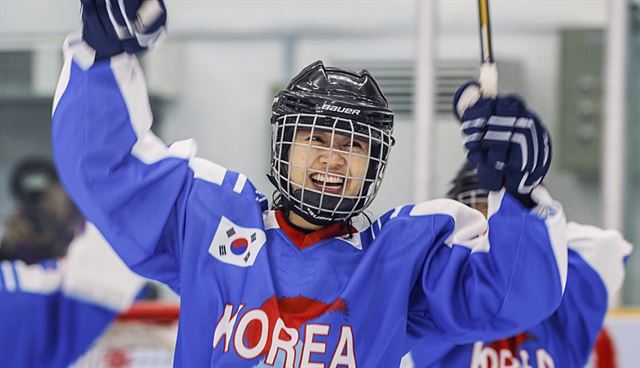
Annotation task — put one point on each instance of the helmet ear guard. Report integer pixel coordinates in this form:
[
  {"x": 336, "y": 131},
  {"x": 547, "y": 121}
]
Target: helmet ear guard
[{"x": 337, "y": 101}]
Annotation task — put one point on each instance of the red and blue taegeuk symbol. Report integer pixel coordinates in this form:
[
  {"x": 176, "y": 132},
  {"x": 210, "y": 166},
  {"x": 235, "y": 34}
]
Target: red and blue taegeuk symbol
[{"x": 239, "y": 246}]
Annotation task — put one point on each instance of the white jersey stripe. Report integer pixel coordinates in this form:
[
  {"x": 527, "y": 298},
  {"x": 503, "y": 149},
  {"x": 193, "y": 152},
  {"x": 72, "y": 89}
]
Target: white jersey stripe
[
  {"x": 83, "y": 55},
  {"x": 470, "y": 225},
  {"x": 95, "y": 273},
  {"x": 603, "y": 250},
  {"x": 471, "y": 228},
  {"x": 240, "y": 183},
  {"x": 207, "y": 170},
  {"x": 553, "y": 215},
  {"x": 9, "y": 279},
  {"x": 270, "y": 221},
  {"x": 36, "y": 279}
]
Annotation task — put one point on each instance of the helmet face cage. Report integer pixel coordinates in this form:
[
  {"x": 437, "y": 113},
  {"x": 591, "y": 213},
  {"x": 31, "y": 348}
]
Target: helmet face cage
[
  {"x": 473, "y": 197},
  {"x": 317, "y": 202},
  {"x": 466, "y": 189}
]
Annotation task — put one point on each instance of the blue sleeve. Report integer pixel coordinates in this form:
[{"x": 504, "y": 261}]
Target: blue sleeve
[
  {"x": 51, "y": 312},
  {"x": 48, "y": 330},
  {"x": 596, "y": 272},
  {"x": 570, "y": 331},
  {"x": 124, "y": 179},
  {"x": 481, "y": 282}
]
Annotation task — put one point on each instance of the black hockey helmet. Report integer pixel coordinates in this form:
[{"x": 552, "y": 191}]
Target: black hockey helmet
[
  {"x": 340, "y": 102},
  {"x": 31, "y": 177},
  {"x": 466, "y": 188}
]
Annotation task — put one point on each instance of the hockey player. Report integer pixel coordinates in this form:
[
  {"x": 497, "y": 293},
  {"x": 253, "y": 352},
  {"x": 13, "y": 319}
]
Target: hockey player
[
  {"x": 52, "y": 312},
  {"x": 44, "y": 221},
  {"x": 297, "y": 286},
  {"x": 566, "y": 338}
]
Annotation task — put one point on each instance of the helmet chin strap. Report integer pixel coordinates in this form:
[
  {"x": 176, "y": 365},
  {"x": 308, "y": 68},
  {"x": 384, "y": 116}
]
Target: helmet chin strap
[
  {"x": 320, "y": 212},
  {"x": 309, "y": 214}
]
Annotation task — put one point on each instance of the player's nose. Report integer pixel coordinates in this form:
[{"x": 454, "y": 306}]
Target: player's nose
[{"x": 333, "y": 159}]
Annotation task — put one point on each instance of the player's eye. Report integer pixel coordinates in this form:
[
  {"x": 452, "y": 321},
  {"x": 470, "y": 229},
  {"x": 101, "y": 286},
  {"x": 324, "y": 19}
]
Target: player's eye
[
  {"x": 316, "y": 138},
  {"x": 358, "y": 147}
]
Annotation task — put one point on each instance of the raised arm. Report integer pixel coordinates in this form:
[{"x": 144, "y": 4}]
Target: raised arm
[
  {"x": 486, "y": 279},
  {"x": 52, "y": 312},
  {"x": 120, "y": 175},
  {"x": 596, "y": 270},
  {"x": 484, "y": 282},
  {"x": 125, "y": 180}
]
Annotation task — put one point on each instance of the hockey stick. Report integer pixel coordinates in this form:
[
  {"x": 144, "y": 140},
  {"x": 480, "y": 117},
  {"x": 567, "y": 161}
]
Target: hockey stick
[
  {"x": 488, "y": 70},
  {"x": 486, "y": 49}
]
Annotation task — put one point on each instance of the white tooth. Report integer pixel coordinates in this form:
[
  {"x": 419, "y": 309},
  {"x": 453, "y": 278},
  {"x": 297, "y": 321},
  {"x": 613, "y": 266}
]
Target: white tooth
[{"x": 327, "y": 178}]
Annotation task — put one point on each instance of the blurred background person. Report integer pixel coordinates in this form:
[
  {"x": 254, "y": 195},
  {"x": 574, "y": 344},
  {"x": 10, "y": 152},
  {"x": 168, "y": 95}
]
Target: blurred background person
[
  {"x": 61, "y": 285},
  {"x": 44, "y": 220}
]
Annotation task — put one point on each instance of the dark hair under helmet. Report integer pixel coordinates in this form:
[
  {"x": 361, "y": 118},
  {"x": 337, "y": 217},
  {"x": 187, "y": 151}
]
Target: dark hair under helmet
[{"x": 338, "y": 102}]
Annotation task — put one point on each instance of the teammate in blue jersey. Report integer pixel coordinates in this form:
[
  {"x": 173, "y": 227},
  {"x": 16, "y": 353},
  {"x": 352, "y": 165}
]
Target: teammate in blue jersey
[
  {"x": 52, "y": 312},
  {"x": 566, "y": 338},
  {"x": 297, "y": 286}
]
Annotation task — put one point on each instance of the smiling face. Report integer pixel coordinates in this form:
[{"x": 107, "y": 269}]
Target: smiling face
[
  {"x": 328, "y": 162},
  {"x": 327, "y": 169}
]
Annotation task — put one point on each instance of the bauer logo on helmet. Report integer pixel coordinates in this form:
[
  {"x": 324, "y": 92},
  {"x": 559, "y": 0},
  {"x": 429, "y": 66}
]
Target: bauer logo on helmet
[{"x": 340, "y": 109}]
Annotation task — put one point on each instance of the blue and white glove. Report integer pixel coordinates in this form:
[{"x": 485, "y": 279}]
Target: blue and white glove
[
  {"x": 508, "y": 143},
  {"x": 111, "y": 27}
]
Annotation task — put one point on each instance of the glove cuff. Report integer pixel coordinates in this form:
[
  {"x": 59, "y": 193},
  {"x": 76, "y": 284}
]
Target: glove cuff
[{"x": 466, "y": 95}]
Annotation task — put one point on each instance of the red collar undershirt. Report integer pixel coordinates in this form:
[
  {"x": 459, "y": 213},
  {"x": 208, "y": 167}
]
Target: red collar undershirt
[{"x": 303, "y": 240}]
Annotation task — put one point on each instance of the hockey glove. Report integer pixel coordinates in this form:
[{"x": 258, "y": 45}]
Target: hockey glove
[
  {"x": 111, "y": 27},
  {"x": 508, "y": 143}
]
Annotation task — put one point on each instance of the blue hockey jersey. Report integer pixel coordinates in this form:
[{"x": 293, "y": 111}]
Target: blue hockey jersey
[
  {"x": 250, "y": 295},
  {"x": 566, "y": 338},
  {"x": 51, "y": 312}
]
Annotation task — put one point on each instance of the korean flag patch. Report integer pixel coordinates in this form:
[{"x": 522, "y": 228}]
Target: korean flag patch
[{"x": 235, "y": 244}]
